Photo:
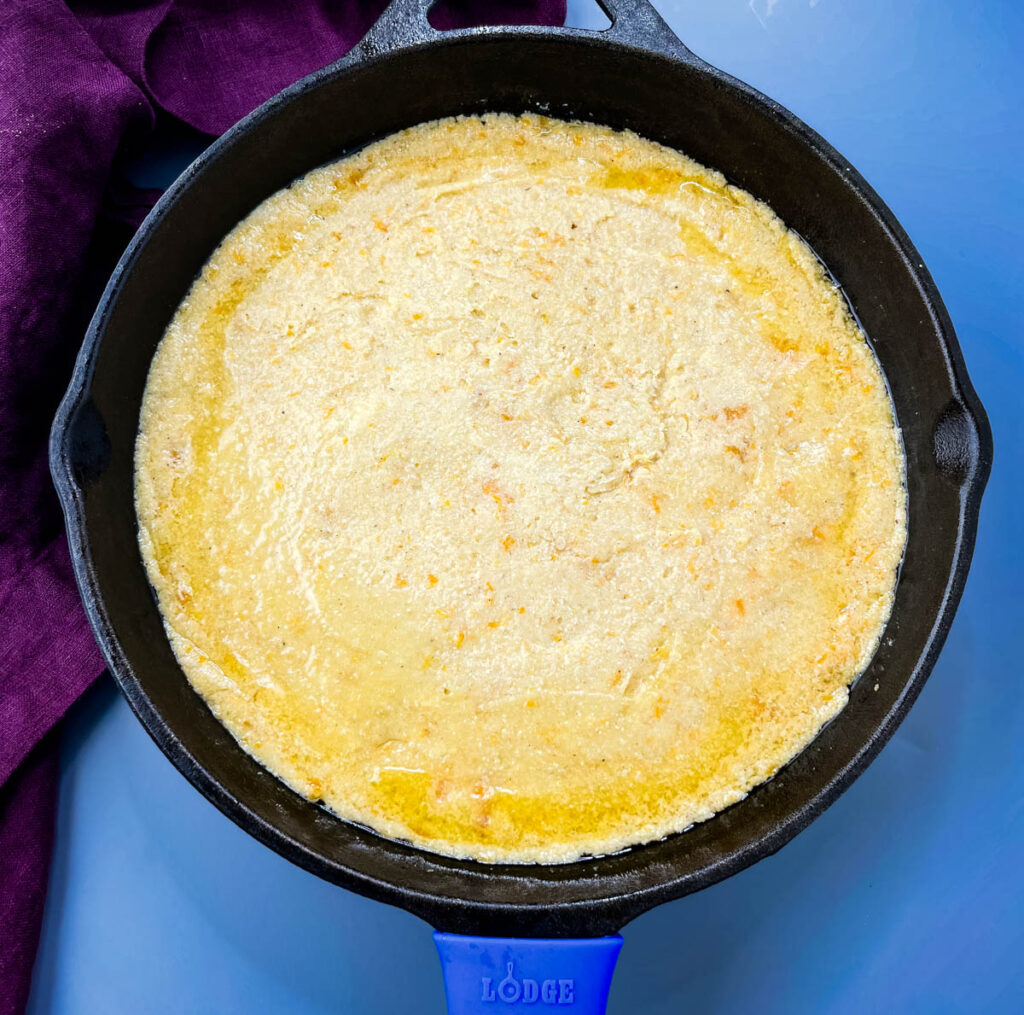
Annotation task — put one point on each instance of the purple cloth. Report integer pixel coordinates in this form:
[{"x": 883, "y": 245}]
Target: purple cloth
[{"x": 81, "y": 84}]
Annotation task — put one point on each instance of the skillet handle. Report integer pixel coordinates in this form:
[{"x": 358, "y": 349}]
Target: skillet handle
[
  {"x": 487, "y": 975},
  {"x": 635, "y": 23}
]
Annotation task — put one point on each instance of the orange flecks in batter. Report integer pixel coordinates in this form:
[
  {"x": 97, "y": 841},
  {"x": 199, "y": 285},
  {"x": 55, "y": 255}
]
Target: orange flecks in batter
[{"x": 518, "y": 643}]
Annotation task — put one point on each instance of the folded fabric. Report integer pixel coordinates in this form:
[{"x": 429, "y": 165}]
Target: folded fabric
[{"x": 81, "y": 87}]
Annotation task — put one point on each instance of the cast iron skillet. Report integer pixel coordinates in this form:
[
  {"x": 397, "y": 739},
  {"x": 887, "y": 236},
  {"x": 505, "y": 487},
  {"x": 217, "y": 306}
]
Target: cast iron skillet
[{"x": 636, "y": 74}]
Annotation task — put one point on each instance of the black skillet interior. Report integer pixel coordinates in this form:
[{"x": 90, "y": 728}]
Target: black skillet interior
[{"x": 636, "y": 75}]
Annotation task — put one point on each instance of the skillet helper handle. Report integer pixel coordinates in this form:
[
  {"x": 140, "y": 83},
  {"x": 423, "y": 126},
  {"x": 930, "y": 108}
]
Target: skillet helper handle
[
  {"x": 633, "y": 22},
  {"x": 637, "y": 23},
  {"x": 487, "y": 975}
]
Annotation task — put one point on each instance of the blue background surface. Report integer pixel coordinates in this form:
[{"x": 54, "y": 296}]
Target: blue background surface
[{"x": 907, "y": 896}]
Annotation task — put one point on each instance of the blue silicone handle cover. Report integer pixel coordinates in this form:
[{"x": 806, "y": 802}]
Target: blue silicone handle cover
[{"x": 492, "y": 975}]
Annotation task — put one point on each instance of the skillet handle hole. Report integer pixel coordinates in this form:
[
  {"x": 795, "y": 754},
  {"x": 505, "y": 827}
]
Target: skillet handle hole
[{"x": 446, "y": 15}]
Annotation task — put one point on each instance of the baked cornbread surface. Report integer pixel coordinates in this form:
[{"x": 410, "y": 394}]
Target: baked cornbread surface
[{"x": 519, "y": 489}]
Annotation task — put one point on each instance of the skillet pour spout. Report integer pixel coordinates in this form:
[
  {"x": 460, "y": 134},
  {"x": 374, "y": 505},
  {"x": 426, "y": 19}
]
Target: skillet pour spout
[{"x": 635, "y": 75}]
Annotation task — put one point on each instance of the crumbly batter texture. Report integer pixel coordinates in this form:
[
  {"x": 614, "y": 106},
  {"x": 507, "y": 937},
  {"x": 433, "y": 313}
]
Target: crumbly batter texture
[{"x": 519, "y": 489}]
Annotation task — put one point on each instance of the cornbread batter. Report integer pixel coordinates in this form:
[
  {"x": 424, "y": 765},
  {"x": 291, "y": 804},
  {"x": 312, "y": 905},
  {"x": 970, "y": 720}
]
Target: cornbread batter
[{"x": 519, "y": 489}]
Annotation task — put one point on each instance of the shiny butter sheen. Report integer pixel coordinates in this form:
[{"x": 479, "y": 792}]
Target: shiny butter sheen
[{"x": 519, "y": 489}]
